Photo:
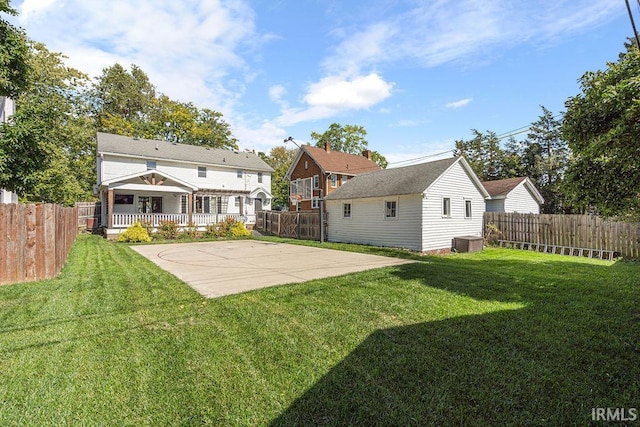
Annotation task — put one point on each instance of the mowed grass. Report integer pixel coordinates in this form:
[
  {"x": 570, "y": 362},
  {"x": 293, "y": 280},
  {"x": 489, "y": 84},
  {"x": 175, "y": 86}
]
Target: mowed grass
[{"x": 501, "y": 337}]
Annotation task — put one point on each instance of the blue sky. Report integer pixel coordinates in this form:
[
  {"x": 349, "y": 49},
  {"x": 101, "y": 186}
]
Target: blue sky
[{"x": 416, "y": 74}]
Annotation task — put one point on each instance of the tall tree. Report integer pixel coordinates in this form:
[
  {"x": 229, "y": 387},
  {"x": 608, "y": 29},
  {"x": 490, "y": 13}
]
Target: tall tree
[
  {"x": 348, "y": 139},
  {"x": 47, "y": 151},
  {"x": 126, "y": 103},
  {"x": 545, "y": 157},
  {"x": 601, "y": 126},
  {"x": 14, "y": 54},
  {"x": 280, "y": 158},
  {"x": 484, "y": 155}
]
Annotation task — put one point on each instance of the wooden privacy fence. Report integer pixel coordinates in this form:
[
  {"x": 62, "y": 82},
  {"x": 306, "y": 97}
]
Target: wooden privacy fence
[
  {"x": 296, "y": 225},
  {"x": 571, "y": 231},
  {"x": 88, "y": 215},
  {"x": 35, "y": 240}
]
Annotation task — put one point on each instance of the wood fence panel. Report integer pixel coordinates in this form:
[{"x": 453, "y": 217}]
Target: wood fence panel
[
  {"x": 35, "y": 240},
  {"x": 295, "y": 225},
  {"x": 573, "y": 231}
]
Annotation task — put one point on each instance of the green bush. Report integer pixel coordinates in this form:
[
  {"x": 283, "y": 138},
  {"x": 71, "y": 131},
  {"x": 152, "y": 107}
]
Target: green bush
[
  {"x": 238, "y": 230},
  {"x": 227, "y": 228},
  {"x": 168, "y": 229},
  {"x": 210, "y": 231},
  {"x": 135, "y": 233},
  {"x": 189, "y": 232}
]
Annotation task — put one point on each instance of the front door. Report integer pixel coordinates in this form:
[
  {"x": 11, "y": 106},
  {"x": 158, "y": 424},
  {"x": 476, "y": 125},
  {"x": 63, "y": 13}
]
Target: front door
[{"x": 258, "y": 205}]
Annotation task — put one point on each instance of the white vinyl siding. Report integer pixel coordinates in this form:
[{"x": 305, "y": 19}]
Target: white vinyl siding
[
  {"x": 438, "y": 232},
  {"x": 520, "y": 200},
  {"x": 368, "y": 225}
]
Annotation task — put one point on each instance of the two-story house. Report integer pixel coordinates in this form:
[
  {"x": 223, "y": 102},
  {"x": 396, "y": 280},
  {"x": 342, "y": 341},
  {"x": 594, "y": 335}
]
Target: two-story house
[
  {"x": 154, "y": 181},
  {"x": 316, "y": 172}
]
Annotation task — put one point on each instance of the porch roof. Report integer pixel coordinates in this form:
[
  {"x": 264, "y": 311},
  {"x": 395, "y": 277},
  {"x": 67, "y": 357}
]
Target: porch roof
[
  {"x": 183, "y": 186},
  {"x": 259, "y": 190}
]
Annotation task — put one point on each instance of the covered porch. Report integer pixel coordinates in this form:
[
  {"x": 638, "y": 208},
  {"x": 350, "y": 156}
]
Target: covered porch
[{"x": 152, "y": 197}]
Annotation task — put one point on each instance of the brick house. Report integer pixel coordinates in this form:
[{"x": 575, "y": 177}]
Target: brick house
[{"x": 316, "y": 172}]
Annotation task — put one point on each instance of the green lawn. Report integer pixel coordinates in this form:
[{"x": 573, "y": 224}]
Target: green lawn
[{"x": 502, "y": 337}]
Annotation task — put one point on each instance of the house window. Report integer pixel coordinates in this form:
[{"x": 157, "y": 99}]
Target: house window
[
  {"x": 151, "y": 164},
  {"x": 343, "y": 179},
  {"x": 236, "y": 202},
  {"x": 259, "y": 177},
  {"x": 239, "y": 173},
  {"x": 315, "y": 203},
  {"x": 306, "y": 164},
  {"x": 203, "y": 204},
  {"x": 391, "y": 209},
  {"x": 446, "y": 207},
  {"x": 467, "y": 208},
  {"x": 202, "y": 172},
  {"x": 183, "y": 203},
  {"x": 346, "y": 210},
  {"x": 148, "y": 204},
  {"x": 316, "y": 181},
  {"x": 334, "y": 180}
]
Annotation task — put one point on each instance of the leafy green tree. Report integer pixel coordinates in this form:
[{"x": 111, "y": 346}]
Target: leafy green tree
[
  {"x": 47, "y": 151},
  {"x": 484, "y": 155},
  {"x": 601, "y": 126},
  {"x": 348, "y": 139},
  {"x": 14, "y": 54},
  {"x": 280, "y": 159},
  {"x": 545, "y": 158},
  {"x": 126, "y": 103}
]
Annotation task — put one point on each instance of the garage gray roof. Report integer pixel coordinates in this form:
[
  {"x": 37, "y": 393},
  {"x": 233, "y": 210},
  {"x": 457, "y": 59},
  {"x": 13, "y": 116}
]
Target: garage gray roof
[
  {"x": 152, "y": 149},
  {"x": 393, "y": 182}
]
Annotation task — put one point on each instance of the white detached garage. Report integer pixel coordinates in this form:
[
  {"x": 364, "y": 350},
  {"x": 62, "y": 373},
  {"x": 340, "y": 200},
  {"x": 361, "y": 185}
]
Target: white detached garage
[{"x": 420, "y": 207}]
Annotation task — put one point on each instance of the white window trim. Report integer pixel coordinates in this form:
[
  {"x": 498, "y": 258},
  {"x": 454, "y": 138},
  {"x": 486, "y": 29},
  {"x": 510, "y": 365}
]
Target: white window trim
[
  {"x": 202, "y": 169},
  {"x": 467, "y": 200},
  {"x": 316, "y": 182},
  {"x": 315, "y": 202},
  {"x": 390, "y": 218},
  {"x": 442, "y": 207},
  {"x": 333, "y": 178},
  {"x": 350, "y": 210}
]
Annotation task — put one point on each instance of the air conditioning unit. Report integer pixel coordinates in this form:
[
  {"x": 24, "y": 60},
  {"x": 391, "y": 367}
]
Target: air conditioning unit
[{"x": 468, "y": 244}]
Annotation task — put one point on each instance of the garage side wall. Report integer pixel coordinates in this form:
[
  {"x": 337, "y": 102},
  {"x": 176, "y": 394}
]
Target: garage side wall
[
  {"x": 439, "y": 229},
  {"x": 369, "y": 225}
]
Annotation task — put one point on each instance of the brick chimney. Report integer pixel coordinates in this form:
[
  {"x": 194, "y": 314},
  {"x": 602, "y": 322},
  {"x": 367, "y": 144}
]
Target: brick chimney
[
  {"x": 327, "y": 146},
  {"x": 367, "y": 154}
]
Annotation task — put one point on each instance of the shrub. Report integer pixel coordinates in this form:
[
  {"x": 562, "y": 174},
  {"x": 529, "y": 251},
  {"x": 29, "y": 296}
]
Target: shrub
[
  {"x": 228, "y": 227},
  {"x": 190, "y": 232},
  {"x": 492, "y": 234},
  {"x": 134, "y": 233},
  {"x": 238, "y": 230},
  {"x": 168, "y": 229},
  {"x": 210, "y": 231}
]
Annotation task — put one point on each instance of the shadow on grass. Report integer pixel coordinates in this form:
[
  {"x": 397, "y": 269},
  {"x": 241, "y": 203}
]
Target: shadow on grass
[{"x": 574, "y": 346}]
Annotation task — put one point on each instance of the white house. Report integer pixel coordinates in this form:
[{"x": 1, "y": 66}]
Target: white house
[
  {"x": 420, "y": 207},
  {"x": 513, "y": 195},
  {"x": 154, "y": 181}
]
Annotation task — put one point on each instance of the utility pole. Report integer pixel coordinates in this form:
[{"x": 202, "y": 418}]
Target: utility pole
[{"x": 633, "y": 24}]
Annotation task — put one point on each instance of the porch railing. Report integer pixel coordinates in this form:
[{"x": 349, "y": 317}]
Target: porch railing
[{"x": 123, "y": 220}]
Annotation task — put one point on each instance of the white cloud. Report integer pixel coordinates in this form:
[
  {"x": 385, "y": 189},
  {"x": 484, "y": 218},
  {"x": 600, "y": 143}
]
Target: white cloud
[
  {"x": 458, "y": 104},
  {"x": 29, "y": 8},
  {"x": 332, "y": 95}
]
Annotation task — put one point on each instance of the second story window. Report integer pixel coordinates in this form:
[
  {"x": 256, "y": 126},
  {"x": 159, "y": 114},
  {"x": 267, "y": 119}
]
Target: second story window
[
  {"x": 151, "y": 164},
  {"x": 259, "y": 177},
  {"x": 316, "y": 181},
  {"x": 202, "y": 172},
  {"x": 239, "y": 173},
  {"x": 334, "y": 180}
]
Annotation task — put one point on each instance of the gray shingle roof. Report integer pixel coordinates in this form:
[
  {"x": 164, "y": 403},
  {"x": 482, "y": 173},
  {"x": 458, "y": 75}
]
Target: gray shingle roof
[
  {"x": 152, "y": 149},
  {"x": 393, "y": 182}
]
